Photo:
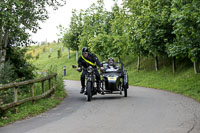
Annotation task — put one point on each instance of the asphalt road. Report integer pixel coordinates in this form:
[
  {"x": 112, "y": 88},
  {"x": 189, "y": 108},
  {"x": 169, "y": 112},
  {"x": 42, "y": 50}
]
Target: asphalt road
[{"x": 143, "y": 111}]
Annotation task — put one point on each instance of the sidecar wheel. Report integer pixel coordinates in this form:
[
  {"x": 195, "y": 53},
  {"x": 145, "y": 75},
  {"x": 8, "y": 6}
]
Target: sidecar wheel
[{"x": 89, "y": 93}]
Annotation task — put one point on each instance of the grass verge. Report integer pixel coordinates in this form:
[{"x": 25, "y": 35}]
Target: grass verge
[
  {"x": 29, "y": 109},
  {"x": 184, "y": 81}
]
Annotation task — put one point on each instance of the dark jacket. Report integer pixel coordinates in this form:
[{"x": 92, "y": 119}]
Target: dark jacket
[{"x": 92, "y": 58}]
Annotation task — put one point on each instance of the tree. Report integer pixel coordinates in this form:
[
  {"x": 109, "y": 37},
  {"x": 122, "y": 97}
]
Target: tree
[
  {"x": 186, "y": 22},
  {"x": 134, "y": 25},
  {"x": 17, "y": 18},
  {"x": 71, "y": 38},
  {"x": 152, "y": 26}
]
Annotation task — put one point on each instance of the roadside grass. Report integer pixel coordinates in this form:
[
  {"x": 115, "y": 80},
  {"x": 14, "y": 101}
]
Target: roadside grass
[
  {"x": 30, "y": 109},
  {"x": 184, "y": 81}
]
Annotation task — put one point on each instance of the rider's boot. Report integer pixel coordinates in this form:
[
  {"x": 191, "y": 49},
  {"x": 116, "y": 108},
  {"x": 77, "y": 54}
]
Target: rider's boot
[
  {"x": 98, "y": 88},
  {"x": 82, "y": 90}
]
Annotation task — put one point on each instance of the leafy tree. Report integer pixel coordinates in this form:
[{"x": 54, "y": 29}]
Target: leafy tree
[
  {"x": 186, "y": 22},
  {"x": 72, "y": 35},
  {"x": 152, "y": 26},
  {"x": 118, "y": 28},
  {"x": 93, "y": 24},
  {"x": 18, "y": 18}
]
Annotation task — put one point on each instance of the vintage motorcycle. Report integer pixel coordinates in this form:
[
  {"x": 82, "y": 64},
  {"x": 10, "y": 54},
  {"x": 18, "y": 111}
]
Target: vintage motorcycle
[
  {"x": 91, "y": 83},
  {"x": 114, "y": 80}
]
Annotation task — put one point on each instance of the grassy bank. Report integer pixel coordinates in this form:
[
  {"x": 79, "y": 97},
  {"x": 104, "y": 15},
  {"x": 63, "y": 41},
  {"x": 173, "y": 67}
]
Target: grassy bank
[
  {"x": 184, "y": 81},
  {"x": 30, "y": 109}
]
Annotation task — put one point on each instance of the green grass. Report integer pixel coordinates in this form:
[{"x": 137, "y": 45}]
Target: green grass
[
  {"x": 29, "y": 109},
  {"x": 184, "y": 81}
]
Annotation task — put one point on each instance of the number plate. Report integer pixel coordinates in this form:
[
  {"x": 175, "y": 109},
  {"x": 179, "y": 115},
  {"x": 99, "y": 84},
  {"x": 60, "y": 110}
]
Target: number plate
[{"x": 112, "y": 78}]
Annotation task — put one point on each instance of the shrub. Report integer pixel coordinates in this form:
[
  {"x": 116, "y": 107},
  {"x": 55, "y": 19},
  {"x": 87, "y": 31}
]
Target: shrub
[
  {"x": 59, "y": 53},
  {"x": 7, "y": 73},
  {"x": 44, "y": 49},
  {"x": 37, "y": 56},
  {"x": 49, "y": 56}
]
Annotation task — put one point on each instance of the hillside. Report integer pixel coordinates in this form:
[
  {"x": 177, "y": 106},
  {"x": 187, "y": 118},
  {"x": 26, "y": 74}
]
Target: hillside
[{"x": 184, "y": 81}]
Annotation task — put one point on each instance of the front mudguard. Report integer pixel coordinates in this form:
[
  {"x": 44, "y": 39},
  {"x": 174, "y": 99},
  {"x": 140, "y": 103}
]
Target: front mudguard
[{"x": 125, "y": 81}]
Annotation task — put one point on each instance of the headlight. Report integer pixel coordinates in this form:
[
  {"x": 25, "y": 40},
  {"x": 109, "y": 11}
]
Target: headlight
[{"x": 89, "y": 69}]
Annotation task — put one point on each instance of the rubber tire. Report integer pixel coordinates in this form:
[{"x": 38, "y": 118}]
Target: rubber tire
[
  {"x": 125, "y": 92},
  {"x": 89, "y": 92}
]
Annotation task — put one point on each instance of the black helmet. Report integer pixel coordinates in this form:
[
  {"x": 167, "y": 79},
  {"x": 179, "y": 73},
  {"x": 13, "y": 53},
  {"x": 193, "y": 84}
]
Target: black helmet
[
  {"x": 85, "y": 49},
  {"x": 110, "y": 59}
]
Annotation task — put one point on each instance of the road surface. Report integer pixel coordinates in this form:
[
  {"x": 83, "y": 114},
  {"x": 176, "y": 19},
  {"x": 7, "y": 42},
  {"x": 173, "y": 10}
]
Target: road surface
[{"x": 145, "y": 110}]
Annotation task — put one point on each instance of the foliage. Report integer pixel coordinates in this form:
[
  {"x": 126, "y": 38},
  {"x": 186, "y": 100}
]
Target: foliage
[
  {"x": 37, "y": 56},
  {"x": 186, "y": 22},
  {"x": 141, "y": 27},
  {"x": 59, "y": 53},
  {"x": 18, "y": 18},
  {"x": 23, "y": 70},
  {"x": 29, "y": 109},
  {"x": 71, "y": 37},
  {"x": 7, "y": 73}
]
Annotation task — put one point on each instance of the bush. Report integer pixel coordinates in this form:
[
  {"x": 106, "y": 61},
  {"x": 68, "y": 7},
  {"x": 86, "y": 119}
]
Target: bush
[
  {"x": 44, "y": 49},
  {"x": 49, "y": 56},
  {"x": 37, "y": 56},
  {"x": 59, "y": 53},
  {"x": 7, "y": 73},
  {"x": 23, "y": 70}
]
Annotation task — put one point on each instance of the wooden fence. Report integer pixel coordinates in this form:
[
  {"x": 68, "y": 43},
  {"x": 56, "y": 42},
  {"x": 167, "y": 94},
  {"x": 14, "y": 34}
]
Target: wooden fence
[{"x": 16, "y": 87}]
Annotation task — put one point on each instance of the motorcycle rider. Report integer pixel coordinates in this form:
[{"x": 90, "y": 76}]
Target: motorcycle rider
[{"x": 88, "y": 59}]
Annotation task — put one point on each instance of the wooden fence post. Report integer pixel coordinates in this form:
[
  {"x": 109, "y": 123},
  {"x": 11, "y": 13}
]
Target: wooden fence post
[
  {"x": 16, "y": 98},
  {"x": 49, "y": 84},
  {"x": 15, "y": 94},
  {"x": 15, "y": 87},
  {"x": 43, "y": 90},
  {"x": 32, "y": 91}
]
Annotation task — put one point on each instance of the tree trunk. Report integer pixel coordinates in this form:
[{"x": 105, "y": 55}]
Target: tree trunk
[
  {"x": 138, "y": 64},
  {"x": 3, "y": 47},
  {"x": 76, "y": 55},
  {"x": 156, "y": 63},
  {"x": 118, "y": 58},
  {"x": 196, "y": 67},
  {"x": 68, "y": 53},
  {"x": 174, "y": 64}
]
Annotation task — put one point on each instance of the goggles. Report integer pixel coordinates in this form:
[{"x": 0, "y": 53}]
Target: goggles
[{"x": 110, "y": 59}]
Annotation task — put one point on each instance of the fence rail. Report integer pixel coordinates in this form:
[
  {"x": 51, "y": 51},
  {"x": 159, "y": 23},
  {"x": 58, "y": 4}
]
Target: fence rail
[{"x": 15, "y": 87}]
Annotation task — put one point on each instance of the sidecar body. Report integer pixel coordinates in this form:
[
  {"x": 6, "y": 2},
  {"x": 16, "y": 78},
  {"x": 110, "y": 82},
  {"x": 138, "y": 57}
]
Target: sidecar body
[{"x": 114, "y": 79}]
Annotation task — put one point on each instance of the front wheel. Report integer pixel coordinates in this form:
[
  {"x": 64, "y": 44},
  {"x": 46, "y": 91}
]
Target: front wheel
[
  {"x": 89, "y": 91},
  {"x": 125, "y": 92}
]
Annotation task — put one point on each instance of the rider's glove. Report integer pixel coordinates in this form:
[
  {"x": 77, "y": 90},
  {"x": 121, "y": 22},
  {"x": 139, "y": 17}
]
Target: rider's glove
[
  {"x": 101, "y": 68},
  {"x": 78, "y": 69}
]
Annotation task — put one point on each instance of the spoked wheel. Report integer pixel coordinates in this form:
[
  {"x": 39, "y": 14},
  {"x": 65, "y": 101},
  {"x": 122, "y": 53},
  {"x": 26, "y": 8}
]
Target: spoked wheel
[
  {"x": 103, "y": 87},
  {"x": 89, "y": 91}
]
